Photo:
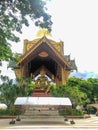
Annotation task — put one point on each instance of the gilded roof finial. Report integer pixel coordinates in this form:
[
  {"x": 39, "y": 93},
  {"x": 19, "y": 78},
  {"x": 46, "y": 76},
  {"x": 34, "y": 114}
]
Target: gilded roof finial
[{"x": 43, "y": 32}]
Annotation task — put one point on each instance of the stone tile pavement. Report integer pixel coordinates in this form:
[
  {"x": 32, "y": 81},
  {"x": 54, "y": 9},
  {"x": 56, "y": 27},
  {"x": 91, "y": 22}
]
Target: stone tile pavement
[{"x": 53, "y": 124}]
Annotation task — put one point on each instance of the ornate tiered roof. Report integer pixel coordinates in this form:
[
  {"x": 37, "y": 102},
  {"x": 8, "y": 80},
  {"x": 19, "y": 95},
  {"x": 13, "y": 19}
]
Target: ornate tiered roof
[{"x": 44, "y": 53}]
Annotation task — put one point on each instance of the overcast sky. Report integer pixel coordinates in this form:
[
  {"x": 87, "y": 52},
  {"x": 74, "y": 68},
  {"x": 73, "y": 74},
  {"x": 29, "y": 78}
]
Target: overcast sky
[{"x": 75, "y": 22}]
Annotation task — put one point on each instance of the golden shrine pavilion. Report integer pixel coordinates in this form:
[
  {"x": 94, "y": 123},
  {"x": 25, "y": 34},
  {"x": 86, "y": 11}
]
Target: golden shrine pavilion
[{"x": 44, "y": 61}]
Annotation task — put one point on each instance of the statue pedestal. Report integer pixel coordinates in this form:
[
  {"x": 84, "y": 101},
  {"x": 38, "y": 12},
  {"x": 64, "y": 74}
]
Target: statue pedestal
[{"x": 40, "y": 93}]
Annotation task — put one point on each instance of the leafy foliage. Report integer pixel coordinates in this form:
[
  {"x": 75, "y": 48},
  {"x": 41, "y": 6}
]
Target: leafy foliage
[
  {"x": 73, "y": 93},
  {"x": 13, "y": 14},
  {"x": 81, "y": 88},
  {"x": 80, "y": 91},
  {"x": 9, "y": 91},
  {"x": 94, "y": 90},
  {"x": 25, "y": 86}
]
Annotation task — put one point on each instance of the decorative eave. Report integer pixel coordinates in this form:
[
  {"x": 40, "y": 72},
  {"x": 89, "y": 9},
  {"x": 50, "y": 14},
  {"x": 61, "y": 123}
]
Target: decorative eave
[{"x": 48, "y": 42}]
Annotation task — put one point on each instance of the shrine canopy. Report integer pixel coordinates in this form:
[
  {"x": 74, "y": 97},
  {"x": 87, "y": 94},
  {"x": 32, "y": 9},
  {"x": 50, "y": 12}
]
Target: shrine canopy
[{"x": 43, "y": 101}]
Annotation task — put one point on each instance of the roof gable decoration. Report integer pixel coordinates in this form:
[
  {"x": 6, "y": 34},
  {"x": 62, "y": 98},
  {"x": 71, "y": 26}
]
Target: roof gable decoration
[
  {"x": 29, "y": 44},
  {"x": 46, "y": 41}
]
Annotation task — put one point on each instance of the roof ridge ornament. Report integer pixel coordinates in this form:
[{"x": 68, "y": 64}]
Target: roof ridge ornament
[{"x": 43, "y": 32}]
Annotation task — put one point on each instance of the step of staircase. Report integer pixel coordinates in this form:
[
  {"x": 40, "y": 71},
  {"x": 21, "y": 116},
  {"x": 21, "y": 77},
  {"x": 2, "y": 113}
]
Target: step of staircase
[
  {"x": 41, "y": 114},
  {"x": 43, "y": 118}
]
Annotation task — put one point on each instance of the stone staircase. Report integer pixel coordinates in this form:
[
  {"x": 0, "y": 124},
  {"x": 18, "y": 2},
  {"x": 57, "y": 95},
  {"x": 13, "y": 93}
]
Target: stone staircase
[{"x": 41, "y": 113}]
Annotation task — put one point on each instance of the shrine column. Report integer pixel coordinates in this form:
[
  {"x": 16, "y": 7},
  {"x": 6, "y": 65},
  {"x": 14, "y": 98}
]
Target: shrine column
[
  {"x": 65, "y": 74},
  {"x": 18, "y": 73},
  {"x": 25, "y": 71}
]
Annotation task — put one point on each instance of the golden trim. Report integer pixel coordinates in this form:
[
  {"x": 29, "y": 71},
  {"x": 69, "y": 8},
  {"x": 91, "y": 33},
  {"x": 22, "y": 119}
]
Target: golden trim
[{"x": 47, "y": 41}]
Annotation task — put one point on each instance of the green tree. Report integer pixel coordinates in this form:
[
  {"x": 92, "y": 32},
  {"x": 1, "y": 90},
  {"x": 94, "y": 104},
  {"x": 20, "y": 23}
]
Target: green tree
[
  {"x": 86, "y": 87},
  {"x": 13, "y": 14},
  {"x": 76, "y": 96},
  {"x": 83, "y": 86},
  {"x": 58, "y": 91},
  {"x": 8, "y": 91},
  {"x": 94, "y": 90},
  {"x": 25, "y": 86}
]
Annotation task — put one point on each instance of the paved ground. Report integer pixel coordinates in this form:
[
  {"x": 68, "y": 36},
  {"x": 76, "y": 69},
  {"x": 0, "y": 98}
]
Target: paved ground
[{"x": 38, "y": 124}]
